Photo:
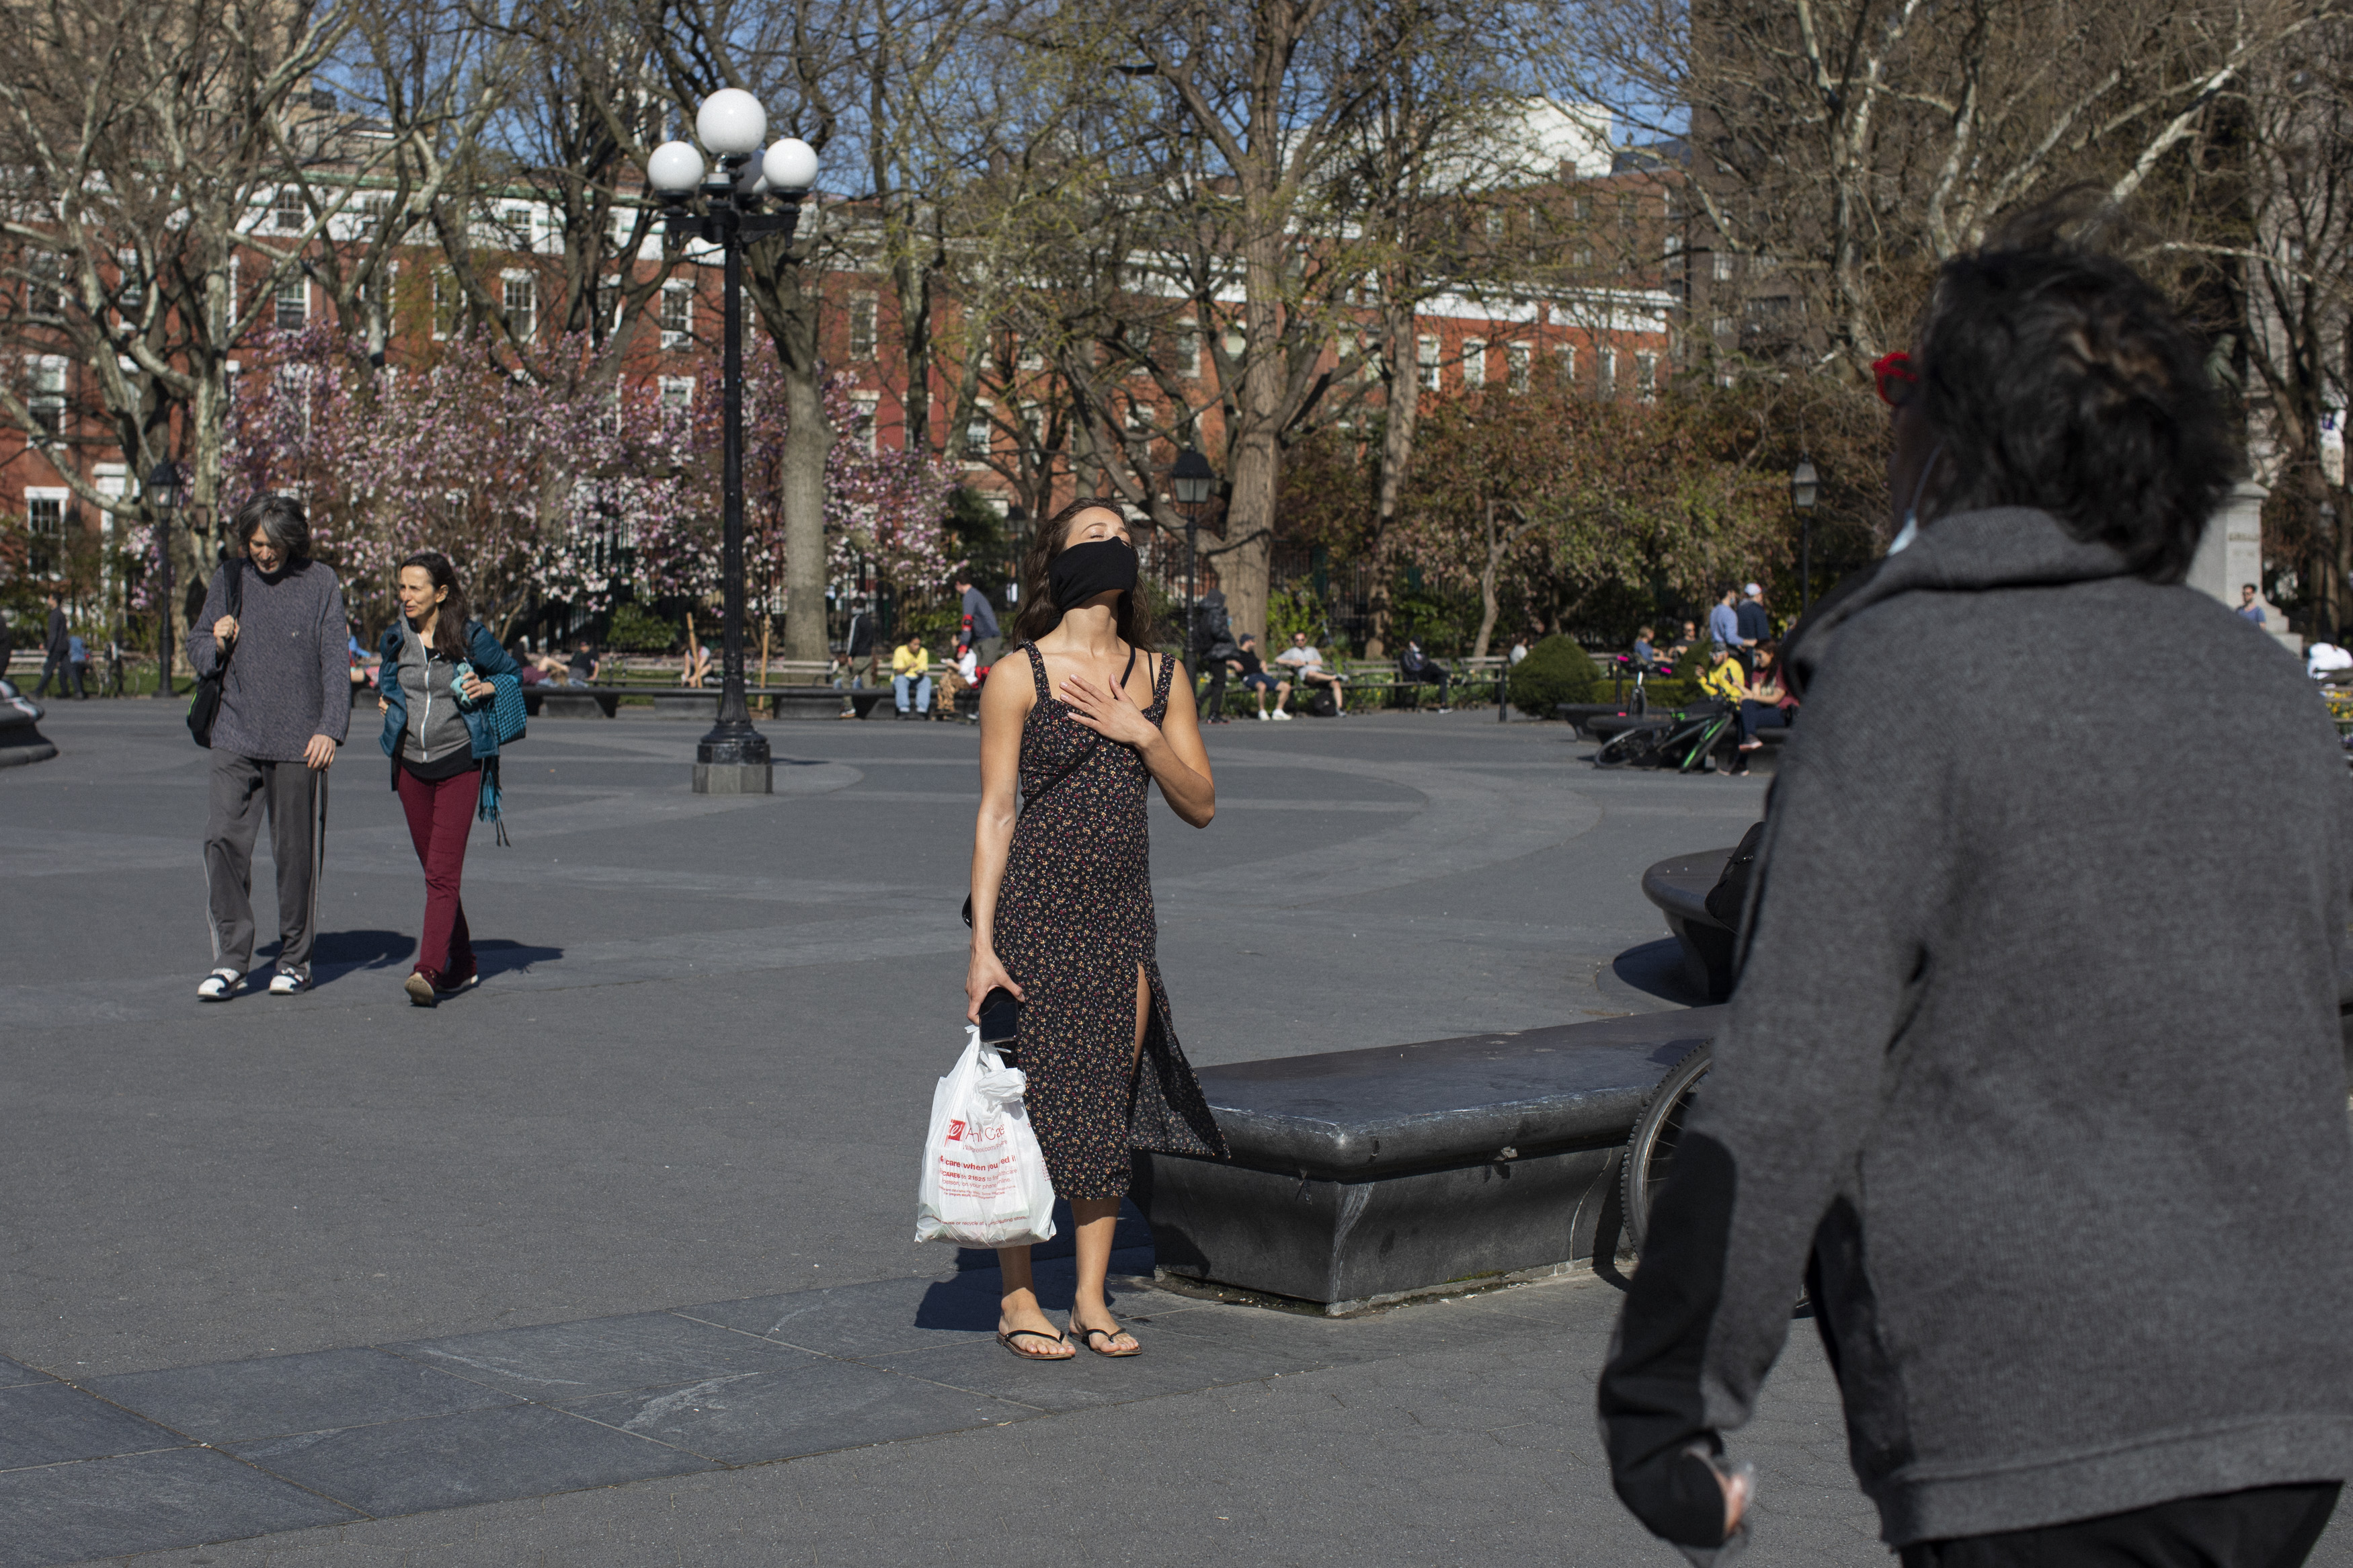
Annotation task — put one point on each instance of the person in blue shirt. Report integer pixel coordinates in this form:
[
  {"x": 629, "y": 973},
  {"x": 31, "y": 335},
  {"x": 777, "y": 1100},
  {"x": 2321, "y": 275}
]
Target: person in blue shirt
[
  {"x": 2248, "y": 608},
  {"x": 980, "y": 628},
  {"x": 1644, "y": 654},
  {"x": 1723, "y": 621},
  {"x": 77, "y": 667}
]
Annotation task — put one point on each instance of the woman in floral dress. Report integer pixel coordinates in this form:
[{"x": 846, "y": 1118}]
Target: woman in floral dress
[{"x": 1079, "y": 719}]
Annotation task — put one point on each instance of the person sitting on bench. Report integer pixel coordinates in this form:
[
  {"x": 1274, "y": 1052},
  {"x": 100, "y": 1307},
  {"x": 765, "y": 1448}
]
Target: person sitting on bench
[
  {"x": 1307, "y": 668},
  {"x": 1767, "y": 704},
  {"x": 1416, "y": 667},
  {"x": 1725, "y": 679}
]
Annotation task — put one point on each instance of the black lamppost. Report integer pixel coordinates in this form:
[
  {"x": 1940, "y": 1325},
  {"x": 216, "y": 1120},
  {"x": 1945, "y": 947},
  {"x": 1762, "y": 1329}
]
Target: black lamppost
[
  {"x": 163, "y": 494},
  {"x": 733, "y": 758},
  {"x": 1192, "y": 480},
  {"x": 1805, "y": 488}
]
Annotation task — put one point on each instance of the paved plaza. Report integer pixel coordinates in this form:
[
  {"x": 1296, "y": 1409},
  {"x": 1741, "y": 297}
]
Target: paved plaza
[{"x": 608, "y": 1262}]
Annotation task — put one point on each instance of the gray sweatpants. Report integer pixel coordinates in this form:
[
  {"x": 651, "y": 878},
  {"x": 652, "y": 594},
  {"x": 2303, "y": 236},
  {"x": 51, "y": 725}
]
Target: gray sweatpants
[{"x": 292, "y": 792}]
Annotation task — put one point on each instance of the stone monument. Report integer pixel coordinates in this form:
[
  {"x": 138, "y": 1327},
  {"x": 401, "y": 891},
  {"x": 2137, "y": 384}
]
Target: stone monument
[{"x": 2230, "y": 555}]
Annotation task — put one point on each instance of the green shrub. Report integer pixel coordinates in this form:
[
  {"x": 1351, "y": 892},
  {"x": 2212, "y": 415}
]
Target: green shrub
[
  {"x": 1555, "y": 670},
  {"x": 637, "y": 630}
]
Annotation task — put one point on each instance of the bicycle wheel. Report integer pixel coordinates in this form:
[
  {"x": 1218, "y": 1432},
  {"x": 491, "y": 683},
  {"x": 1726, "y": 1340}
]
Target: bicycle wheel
[
  {"x": 1627, "y": 748},
  {"x": 1651, "y": 1147}
]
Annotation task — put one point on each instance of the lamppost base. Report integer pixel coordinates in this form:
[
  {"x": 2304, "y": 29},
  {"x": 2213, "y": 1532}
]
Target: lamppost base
[{"x": 734, "y": 778}]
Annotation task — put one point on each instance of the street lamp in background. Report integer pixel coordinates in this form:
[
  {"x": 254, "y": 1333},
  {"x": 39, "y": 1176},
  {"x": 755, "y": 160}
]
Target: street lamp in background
[
  {"x": 1805, "y": 488},
  {"x": 1192, "y": 480},
  {"x": 164, "y": 495},
  {"x": 733, "y": 758}
]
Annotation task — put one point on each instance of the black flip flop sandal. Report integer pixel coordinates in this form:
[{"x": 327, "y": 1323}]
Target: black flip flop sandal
[
  {"x": 1087, "y": 1338},
  {"x": 1007, "y": 1336}
]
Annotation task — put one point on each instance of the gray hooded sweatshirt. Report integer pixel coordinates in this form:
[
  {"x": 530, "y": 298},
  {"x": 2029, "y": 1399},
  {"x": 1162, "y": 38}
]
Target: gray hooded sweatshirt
[{"x": 2036, "y": 1055}]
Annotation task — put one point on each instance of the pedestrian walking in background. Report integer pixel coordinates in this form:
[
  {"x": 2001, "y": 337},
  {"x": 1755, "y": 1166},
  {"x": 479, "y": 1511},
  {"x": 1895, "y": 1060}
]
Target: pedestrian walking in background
[
  {"x": 77, "y": 666},
  {"x": 7, "y": 643},
  {"x": 1062, "y": 897},
  {"x": 443, "y": 740},
  {"x": 2034, "y": 997},
  {"x": 861, "y": 644},
  {"x": 55, "y": 642},
  {"x": 979, "y": 621},
  {"x": 285, "y": 705}
]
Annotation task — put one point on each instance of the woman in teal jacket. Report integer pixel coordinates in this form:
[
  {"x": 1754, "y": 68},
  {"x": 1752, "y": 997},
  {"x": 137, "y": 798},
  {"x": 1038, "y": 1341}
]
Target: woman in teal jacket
[{"x": 443, "y": 742}]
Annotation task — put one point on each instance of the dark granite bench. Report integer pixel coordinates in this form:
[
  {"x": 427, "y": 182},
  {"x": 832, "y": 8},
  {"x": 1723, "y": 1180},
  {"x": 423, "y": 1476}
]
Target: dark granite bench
[
  {"x": 1365, "y": 1176},
  {"x": 21, "y": 741},
  {"x": 1679, "y": 886},
  {"x": 781, "y": 701}
]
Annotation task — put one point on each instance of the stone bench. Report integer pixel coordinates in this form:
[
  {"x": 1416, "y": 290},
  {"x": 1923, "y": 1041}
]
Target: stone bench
[
  {"x": 1679, "y": 886},
  {"x": 780, "y": 701},
  {"x": 21, "y": 741},
  {"x": 1367, "y": 1177}
]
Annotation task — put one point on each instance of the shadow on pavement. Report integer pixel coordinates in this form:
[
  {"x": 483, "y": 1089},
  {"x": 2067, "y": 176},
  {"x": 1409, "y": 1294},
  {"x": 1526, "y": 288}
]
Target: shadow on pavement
[
  {"x": 503, "y": 957},
  {"x": 1656, "y": 969}
]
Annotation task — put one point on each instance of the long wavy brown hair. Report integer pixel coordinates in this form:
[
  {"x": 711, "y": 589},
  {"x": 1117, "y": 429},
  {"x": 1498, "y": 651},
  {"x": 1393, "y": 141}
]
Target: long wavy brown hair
[{"x": 1040, "y": 614}]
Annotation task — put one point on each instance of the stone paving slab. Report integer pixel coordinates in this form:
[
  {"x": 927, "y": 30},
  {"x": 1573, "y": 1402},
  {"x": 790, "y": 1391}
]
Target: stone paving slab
[
  {"x": 13, "y": 1375},
  {"x": 604, "y": 1356},
  {"x": 475, "y": 1456},
  {"x": 751, "y": 1418},
  {"x": 278, "y": 1396},
  {"x": 51, "y": 1423},
  {"x": 146, "y": 1503}
]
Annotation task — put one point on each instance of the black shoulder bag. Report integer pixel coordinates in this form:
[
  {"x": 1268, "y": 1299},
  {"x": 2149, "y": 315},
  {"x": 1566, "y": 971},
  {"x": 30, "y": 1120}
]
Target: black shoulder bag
[{"x": 205, "y": 705}]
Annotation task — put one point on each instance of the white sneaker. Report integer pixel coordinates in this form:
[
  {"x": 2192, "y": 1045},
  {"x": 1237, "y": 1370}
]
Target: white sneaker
[
  {"x": 1262, "y": 713},
  {"x": 1279, "y": 713},
  {"x": 284, "y": 984},
  {"x": 219, "y": 985}
]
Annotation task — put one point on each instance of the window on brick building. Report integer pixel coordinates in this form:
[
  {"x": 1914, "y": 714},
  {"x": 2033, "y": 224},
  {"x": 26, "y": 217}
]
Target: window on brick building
[
  {"x": 1519, "y": 360},
  {"x": 864, "y": 427},
  {"x": 979, "y": 435},
  {"x": 1426, "y": 352},
  {"x": 1474, "y": 363},
  {"x": 1605, "y": 374},
  {"x": 449, "y": 304},
  {"x": 45, "y": 519},
  {"x": 861, "y": 327},
  {"x": 291, "y": 310},
  {"x": 677, "y": 391},
  {"x": 1565, "y": 359},
  {"x": 291, "y": 213},
  {"x": 676, "y": 315},
  {"x": 518, "y": 293},
  {"x": 48, "y": 393},
  {"x": 1646, "y": 376}
]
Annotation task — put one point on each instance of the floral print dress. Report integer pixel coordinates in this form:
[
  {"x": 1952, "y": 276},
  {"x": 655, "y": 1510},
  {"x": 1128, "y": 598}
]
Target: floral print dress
[{"x": 1075, "y": 925}]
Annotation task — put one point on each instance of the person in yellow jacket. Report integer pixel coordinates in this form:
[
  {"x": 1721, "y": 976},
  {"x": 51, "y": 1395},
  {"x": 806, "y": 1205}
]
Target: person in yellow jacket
[
  {"x": 1725, "y": 679},
  {"x": 911, "y": 676}
]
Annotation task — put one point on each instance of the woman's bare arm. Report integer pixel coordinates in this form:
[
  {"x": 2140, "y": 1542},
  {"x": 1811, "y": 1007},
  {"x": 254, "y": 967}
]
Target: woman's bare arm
[{"x": 1004, "y": 705}]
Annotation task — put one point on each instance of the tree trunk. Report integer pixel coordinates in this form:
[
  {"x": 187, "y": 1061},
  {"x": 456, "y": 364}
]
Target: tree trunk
[
  {"x": 1487, "y": 604},
  {"x": 1400, "y": 371},
  {"x": 788, "y": 309}
]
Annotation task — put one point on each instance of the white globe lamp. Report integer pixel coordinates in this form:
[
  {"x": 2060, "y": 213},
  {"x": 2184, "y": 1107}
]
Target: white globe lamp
[
  {"x": 790, "y": 166},
  {"x": 732, "y": 123},
  {"x": 675, "y": 168}
]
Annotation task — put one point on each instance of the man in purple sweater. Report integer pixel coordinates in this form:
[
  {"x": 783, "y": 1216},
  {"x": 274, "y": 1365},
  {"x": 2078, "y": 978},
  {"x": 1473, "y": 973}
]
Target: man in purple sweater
[{"x": 285, "y": 705}]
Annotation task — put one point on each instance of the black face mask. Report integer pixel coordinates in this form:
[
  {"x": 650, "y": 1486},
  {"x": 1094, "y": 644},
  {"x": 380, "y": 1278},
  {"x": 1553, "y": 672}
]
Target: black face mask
[{"x": 1082, "y": 571}]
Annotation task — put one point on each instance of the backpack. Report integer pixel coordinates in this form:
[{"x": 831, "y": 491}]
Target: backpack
[{"x": 1323, "y": 705}]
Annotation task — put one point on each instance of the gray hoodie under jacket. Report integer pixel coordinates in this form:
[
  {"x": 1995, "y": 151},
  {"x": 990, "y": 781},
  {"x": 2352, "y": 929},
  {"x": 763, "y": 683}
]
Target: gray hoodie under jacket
[{"x": 2036, "y": 1057}]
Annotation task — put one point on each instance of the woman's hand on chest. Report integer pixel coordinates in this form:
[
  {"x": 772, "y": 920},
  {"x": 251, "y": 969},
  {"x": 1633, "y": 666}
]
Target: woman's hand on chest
[{"x": 1097, "y": 702}]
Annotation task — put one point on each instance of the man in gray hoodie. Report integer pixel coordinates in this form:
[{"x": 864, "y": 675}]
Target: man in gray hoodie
[
  {"x": 286, "y": 704},
  {"x": 2034, "y": 1075}
]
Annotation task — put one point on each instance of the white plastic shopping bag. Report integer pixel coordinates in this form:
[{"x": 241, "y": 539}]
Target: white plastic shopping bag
[{"x": 985, "y": 1182}]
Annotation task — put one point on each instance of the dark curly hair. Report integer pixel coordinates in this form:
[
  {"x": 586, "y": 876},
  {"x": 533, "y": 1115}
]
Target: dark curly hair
[
  {"x": 2059, "y": 378},
  {"x": 1040, "y": 614}
]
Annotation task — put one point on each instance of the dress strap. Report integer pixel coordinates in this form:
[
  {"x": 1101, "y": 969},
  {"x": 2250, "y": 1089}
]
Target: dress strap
[
  {"x": 1160, "y": 685},
  {"x": 1129, "y": 669},
  {"x": 1038, "y": 670}
]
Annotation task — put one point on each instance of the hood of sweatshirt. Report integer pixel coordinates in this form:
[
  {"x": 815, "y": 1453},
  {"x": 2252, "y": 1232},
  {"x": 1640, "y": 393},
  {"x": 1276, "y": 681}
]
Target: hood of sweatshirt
[{"x": 1969, "y": 552}]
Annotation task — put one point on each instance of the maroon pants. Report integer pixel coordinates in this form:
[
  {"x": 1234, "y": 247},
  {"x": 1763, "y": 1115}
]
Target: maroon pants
[{"x": 440, "y": 815}]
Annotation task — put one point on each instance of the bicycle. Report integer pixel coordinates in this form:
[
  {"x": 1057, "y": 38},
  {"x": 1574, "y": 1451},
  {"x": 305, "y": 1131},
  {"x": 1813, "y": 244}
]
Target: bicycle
[
  {"x": 1687, "y": 743},
  {"x": 1650, "y": 1155},
  {"x": 1639, "y": 704}
]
